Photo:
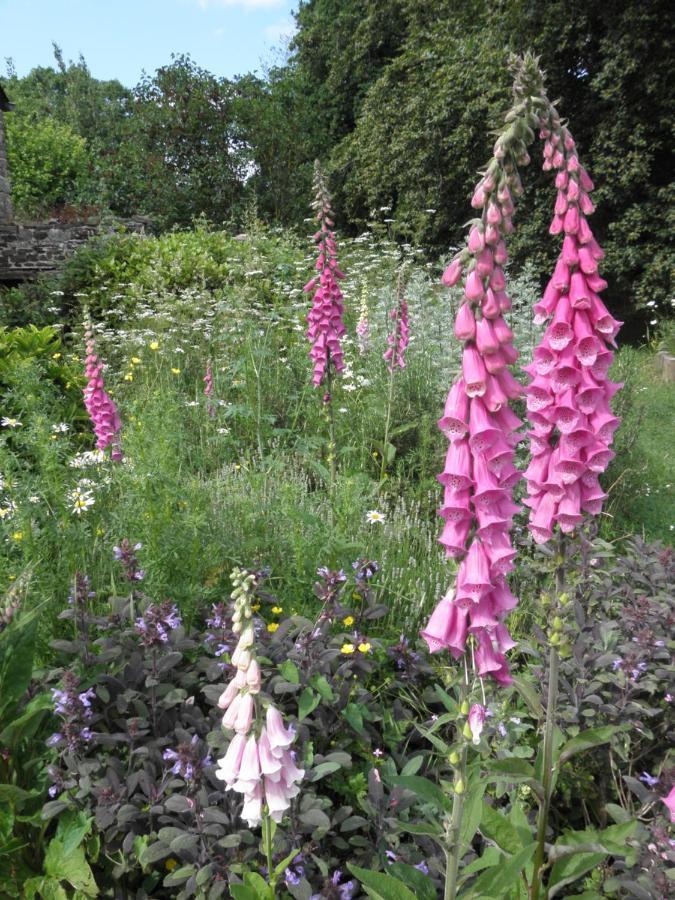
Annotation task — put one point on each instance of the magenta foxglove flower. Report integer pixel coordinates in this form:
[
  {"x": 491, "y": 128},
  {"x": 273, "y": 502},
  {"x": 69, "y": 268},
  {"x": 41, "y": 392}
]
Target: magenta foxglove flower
[
  {"x": 102, "y": 411},
  {"x": 568, "y": 398},
  {"x": 398, "y": 339},
  {"x": 324, "y": 320},
  {"x": 208, "y": 381},
  {"x": 479, "y": 474}
]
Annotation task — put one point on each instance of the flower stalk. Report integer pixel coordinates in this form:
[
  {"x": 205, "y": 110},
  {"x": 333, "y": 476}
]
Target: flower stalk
[{"x": 549, "y": 737}]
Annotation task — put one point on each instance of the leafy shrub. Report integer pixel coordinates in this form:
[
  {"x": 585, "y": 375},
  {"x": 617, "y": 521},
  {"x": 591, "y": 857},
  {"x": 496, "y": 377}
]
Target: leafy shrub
[{"x": 139, "y": 730}]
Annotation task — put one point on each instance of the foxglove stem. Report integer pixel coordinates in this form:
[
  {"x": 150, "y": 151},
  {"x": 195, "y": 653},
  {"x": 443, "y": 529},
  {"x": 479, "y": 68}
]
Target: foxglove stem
[
  {"x": 332, "y": 445},
  {"x": 454, "y": 844},
  {"x": 387, "y": 423},
  {"x": 398, "y": 343},
  {"x": 549, "y": 729},
  {"x": 267, "y": 838}
]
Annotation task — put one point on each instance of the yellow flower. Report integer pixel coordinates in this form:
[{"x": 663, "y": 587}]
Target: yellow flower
[
  {"x": 154, "y": 345},
  {"x": 56, "y": 356},
  {"x": 12, "y": 577},
  {"x": 99, "y": 532},
  {"x": 348, "y": 620},
  {"x": 277, "y": 610},
  {"x": 364, "y": 647},
  {"x": 255, "y": 607},
  {"x": 17, "y": 536},
  {"x": 272, "y": 627},
  {"x": 135, "y": 360},
  {"x": 347, "y": 648},
  {"x": 129, "y": 376},
  {"x": 171, "y": 864},
  {"x": 176, "y": 371}
]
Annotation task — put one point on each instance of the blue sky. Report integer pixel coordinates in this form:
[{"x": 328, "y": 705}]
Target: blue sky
[{"x": 120, "y": 38}]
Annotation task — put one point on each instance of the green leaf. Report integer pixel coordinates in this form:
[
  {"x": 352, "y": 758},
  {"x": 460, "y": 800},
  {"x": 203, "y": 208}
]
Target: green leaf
[
  {"x": 530, "y": 695},
  {"x": 17, "y": 646},
  {"x": 413, "y": 766},
  {"x": 259, "y": 885},
  {"x": 500, "y": 879},
  {"x": 577, "y": 852},
  {"x": 491, "y": 857},
  {"x": 178, "y": 876},
  {"x": 514, "y": 765},
  {"x": 281, "y": 867},
  {"x": 381, "y": 886},
  {"x": 428, "y": 829},
  {"x": 72, "y": 868},
  {"x": 497, "y": 828},
  {"x": 592, "y": 737},
  {"x": 354, "y": 716},
  {"x": 307, "y": 703},
  {"x": 243, "y": 892},
  {"x": 154, "y": 853},
  {"x": 420, "y": 883},
  {"x": 72, "y": 829},
  {"x": 323, "y": 687},
  {"x": 446, "y": 700},
  {"x": 323, "y": 769},
  {"x": 473, "y": 808},
  {"x": 289, "y": 670},
  {"x": 426, "y": 790}
]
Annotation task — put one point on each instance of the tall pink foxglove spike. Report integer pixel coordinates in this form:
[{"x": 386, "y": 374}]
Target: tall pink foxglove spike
[
  {"x": 568, "y": 396},
  {"x": 325, "y": 327},
  {"x": 102, "y": 411},
  {"x": 479, "y": 474}
]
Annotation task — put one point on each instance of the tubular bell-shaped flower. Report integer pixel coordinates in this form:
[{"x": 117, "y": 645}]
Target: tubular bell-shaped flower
[
  {"x": 398, "y": 339},
  {"x": 102, "y": 411},
  {"x": 324, "y": 320},
  {"x": 479, "y": 474},
  {"x": 568, "y": 397},
  {"x": 259, "y": 762}
]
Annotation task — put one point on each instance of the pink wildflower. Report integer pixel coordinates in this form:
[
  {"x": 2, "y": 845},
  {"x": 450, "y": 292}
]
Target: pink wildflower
[
  {"x": 479, "y": 475},
  {"x": 669, "y": 801},
  {"x": 398, "y": 339},
  {"x": 102, "y": 411},
  {"x": 324, "y": 320},
  {"x": 476, "y": 720},
  {"x": 568, "y": 396},
  {"x": 258, "y": 763}
]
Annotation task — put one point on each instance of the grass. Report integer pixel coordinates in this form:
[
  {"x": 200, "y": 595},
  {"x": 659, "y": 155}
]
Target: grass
[{"x": 240, "y": 478}]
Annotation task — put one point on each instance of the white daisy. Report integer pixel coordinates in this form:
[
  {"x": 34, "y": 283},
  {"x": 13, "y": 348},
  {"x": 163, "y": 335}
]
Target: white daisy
[{"x": 373, "y": 517}]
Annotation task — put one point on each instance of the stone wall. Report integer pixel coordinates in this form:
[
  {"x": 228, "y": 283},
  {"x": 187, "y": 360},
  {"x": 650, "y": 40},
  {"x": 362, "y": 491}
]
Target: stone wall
[
  {"x": 27, "y": 251},
  {"x": 5, "y": 201}
]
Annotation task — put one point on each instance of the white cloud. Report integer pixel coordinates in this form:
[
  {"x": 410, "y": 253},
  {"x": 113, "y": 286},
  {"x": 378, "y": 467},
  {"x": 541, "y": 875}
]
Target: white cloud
[
  {"x": 244, "y": 4},
  {"x": 281, "y": 31}
]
